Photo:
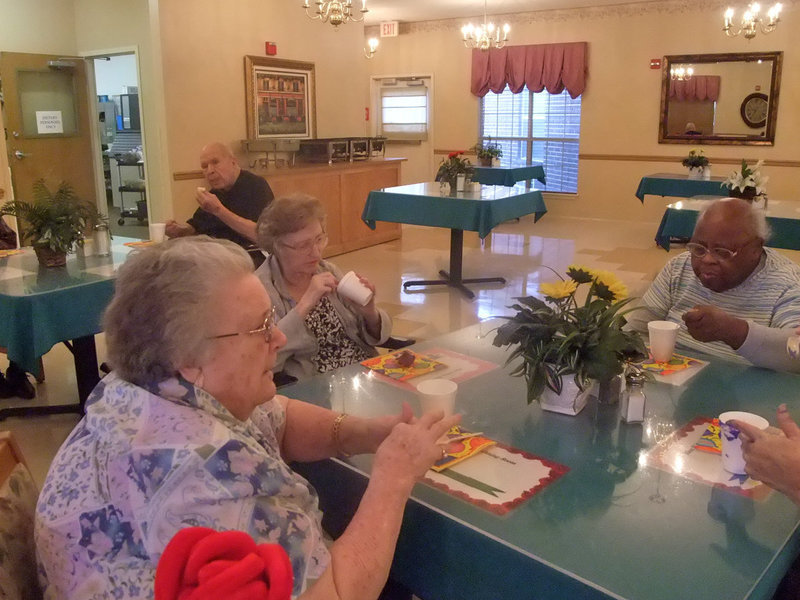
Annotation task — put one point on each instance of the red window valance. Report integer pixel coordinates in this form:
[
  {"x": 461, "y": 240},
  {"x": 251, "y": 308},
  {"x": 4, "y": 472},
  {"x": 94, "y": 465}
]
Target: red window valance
[
  {"x": 698, "y": 87},
  {"x": 540, "y": 66}
]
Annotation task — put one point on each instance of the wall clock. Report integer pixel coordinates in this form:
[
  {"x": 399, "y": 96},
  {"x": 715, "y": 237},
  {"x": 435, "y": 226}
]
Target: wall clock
[{"x": 754, "y": 110}]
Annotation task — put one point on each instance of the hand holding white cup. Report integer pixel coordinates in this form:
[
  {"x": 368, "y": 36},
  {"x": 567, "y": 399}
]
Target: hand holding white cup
[
  {"x": 437, "y": 394},
  {"x": 732, "y": 459},
  {"x": 663, "y": 335},
  {"x": 351, "y": 288}
]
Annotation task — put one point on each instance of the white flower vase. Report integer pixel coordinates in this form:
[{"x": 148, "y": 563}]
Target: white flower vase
[
  {"x": 570, "y": 401},
  {"x": 706, "y": 173},
  {"x": 695, "y": 172}
]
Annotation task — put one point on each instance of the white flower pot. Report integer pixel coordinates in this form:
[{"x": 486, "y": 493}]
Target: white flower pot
[
  {"x": 570, "y": 401},
  {"x": 706, "y": 173},
  {"x": 695, "y": 172}
]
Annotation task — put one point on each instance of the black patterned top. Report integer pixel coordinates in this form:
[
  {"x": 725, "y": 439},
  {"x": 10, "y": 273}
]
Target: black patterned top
[{"x": 336, "y": 349}]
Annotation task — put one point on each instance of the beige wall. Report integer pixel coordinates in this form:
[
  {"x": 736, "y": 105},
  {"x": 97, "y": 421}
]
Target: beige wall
[
  {"x": 37, "y": 26},
  {"x": 621, "y": 104},
  {"x": 204, "y": 49}
]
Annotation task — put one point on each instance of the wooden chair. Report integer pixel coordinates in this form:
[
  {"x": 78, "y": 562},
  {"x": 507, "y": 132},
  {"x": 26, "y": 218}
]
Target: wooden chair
[{"x": 18, "y": 495}]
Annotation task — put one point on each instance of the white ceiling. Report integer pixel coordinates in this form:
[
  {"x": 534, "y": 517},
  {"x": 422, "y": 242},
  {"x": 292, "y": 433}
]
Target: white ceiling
[{"x": 430, "y": 10}]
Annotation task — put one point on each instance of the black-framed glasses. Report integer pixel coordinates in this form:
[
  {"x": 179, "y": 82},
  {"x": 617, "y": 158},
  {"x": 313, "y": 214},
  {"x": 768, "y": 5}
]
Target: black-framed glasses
[
  {"x": 266, "y": 328},
  {"x": 309, "y": 246},
  {"x": 699, "y": 251}
]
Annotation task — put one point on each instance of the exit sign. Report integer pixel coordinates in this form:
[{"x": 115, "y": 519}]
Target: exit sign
[{"x": 390, "y": 28}]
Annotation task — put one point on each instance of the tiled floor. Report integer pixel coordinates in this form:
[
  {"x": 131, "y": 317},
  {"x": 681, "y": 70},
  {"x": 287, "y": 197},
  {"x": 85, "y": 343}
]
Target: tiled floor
[{"x": 518, "y": 251}]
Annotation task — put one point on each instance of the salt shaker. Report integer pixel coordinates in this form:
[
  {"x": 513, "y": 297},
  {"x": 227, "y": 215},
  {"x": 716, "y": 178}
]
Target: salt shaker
[
  {"x": 102, "y": 240},
  {"x": 633, "y": 399}
]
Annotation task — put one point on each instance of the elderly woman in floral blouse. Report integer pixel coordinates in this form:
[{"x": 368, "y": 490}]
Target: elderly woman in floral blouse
[
  {"x": 188, "y": 431},
  {"x": 325, "y": 330}
]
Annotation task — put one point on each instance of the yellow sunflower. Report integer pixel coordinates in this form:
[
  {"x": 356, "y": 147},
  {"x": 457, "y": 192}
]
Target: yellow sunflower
[
  {"x": 559, "y": 289},
  {"x": 617, "y": 289}
]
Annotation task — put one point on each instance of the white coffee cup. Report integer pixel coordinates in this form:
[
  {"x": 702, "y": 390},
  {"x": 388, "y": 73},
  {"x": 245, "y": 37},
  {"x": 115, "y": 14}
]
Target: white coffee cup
[
  {"x": 732, "y": 459},
  {"x": 437, "y": 394},
  {"x": 663, "y": 335},
  {"x": 157, "y": 232},
  {"x": 351, "y": 288}
]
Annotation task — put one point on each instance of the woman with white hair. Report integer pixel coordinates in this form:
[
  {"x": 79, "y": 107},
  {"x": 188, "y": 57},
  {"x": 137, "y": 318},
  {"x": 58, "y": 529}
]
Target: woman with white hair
[{"x": 188, "y": 431}]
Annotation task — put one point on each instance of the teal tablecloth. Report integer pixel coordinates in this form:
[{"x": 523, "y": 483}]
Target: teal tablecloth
[
  {"x": 507, "y": 176},
  {"x": 672, "y": 184},
  {"x": 617, "y": 525},
  {"x": 424, "y": 204},
  {"x": 40, "y": 307},
  {"x": 679, "y": 222}
]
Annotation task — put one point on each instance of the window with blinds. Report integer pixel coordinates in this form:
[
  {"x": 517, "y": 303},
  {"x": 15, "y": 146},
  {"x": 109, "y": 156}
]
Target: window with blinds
[
  {"x": 533, "y": 128},
  {"x": 404, "y": 109}
]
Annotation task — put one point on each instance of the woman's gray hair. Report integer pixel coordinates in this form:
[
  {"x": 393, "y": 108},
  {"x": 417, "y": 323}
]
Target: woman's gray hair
[
  {"x": 285, "y": 215},
  {"x": 158, "y": 320}
]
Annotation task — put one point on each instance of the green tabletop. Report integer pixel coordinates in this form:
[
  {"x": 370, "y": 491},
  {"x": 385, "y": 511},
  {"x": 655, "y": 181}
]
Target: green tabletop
[
  {"x": 611, "y": 527},
  {"x": 507, "y": 176},
  {"x": 426, "y": 204},
  {"x": 40, "y": 307},
  {"x": 673, "y": 184},
  {"x": 680, "y": 218}
]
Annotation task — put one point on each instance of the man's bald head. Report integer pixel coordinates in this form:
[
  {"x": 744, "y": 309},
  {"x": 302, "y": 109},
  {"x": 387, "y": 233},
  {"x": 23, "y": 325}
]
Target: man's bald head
[
  {"x": 220, "y": 167},
  {"x": 732, "y": 224}
]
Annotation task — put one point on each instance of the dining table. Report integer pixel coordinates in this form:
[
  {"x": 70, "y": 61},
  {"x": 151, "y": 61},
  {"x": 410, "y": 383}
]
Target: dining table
[
  {"x": 481, "y": 208},
  {"x": 678, "y": 185},
  {"x": 783, "y": 218},
  {"x": 508, "y": 176},
  {"x": 621, "y": 510},
  {"x": 41, "y": 307}
]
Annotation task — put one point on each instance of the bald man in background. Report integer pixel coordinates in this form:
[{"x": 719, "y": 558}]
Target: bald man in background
[{"x": 231, "y": 206}]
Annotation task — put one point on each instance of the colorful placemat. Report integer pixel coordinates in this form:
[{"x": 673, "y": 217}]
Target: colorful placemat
[
  {"x": 498, "y": 479},
  {"x": 4, "y": 253},
  {"x": 676, "y": 371},
  {"x": 680, "y": 455},
  {"x": 142, "y": 244},
  {"x": 402, "y": 365}
]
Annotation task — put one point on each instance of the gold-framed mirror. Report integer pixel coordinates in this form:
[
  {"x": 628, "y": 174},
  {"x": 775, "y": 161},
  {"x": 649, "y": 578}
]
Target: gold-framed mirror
[{"x": 720, "y": 98}]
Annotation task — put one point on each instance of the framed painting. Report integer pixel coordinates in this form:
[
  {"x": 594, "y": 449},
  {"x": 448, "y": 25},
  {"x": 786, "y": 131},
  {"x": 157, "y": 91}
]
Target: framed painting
[{"x": 280, "y": 98}]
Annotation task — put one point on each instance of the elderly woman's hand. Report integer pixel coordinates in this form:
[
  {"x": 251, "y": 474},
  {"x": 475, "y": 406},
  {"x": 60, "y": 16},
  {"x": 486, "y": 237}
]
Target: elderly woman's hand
[
  {"x": 411, "y": 448},
  {"x": 321, "y": 284}
]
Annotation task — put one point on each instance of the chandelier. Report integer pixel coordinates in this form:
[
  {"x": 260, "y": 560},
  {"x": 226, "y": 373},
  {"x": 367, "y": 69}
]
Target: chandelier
[
  {"x": 335, "y": 12},
  {"x": 372, "y": 44},
  {"x": 752, "y": 21},
  {"x": 681, "y": 73},
  {"x": 485, "y": 36}
]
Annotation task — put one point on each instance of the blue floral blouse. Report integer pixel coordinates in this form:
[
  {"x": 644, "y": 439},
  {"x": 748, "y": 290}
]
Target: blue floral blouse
[{"x": 143, "y": 464}]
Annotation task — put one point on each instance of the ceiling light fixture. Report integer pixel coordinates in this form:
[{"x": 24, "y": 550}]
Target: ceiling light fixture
[
  {"x": 752, "y": 21},
  {"x": 335, "y": 12},
  {"x": 681, "y": 73},
  {"x": 372, "y": 44},
  {"x": 485, "y": 36}
]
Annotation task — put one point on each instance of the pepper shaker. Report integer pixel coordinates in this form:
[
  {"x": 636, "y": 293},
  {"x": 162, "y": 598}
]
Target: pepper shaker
[{"x": 633, "y": 399}]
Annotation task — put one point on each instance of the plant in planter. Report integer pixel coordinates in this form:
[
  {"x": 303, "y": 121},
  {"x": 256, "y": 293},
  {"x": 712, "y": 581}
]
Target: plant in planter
[
  {"x": 747, "y": 183},
  {"x": 696, "y": 162},
  {"x": 453, "y": 166},
  {"x": 54, "y": 222},
  {"x": 487, "y": 152},
  {"x": 561, "y": 337}
]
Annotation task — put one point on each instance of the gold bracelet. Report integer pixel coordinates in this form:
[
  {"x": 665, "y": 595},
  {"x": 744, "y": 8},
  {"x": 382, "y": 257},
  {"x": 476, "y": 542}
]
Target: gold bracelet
[{"x": 337, "y": 443}]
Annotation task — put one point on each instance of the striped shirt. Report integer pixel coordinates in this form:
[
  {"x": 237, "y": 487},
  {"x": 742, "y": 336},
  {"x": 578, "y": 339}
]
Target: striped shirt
[{"x": 770, "y": 296}]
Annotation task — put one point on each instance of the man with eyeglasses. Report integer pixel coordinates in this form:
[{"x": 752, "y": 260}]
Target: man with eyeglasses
[
  {"x": 733, "y": 297},
  {"x": 230, "y": 208}
]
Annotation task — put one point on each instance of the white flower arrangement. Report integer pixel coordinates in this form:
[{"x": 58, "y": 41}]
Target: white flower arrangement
[{"x": 747, "y": 177}]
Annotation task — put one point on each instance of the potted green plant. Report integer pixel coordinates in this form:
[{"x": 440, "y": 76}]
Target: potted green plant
[
  {"x": 54, "y": 223},
  {"x": 487, "y": 152},
  {"x": 697, "y": 163},
  {"x": 747, "y": 183},
  {"x": 453, "y": 166},
  {"x": 559, "y": 338}
]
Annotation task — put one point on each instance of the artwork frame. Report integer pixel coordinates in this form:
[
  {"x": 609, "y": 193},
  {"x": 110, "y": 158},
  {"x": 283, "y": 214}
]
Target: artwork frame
[{"x": 281, "y": 98}]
